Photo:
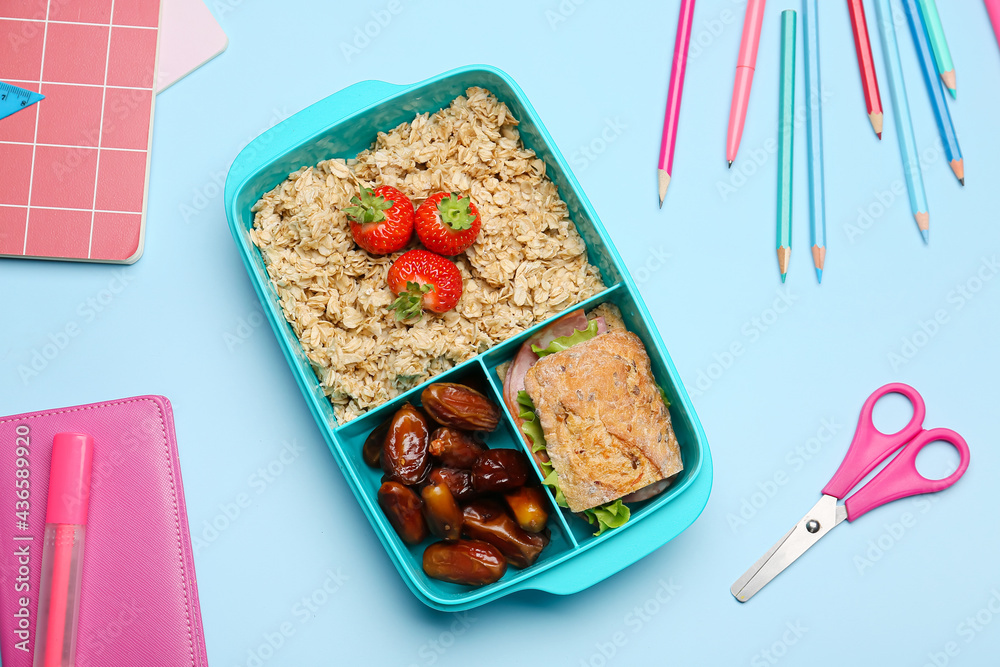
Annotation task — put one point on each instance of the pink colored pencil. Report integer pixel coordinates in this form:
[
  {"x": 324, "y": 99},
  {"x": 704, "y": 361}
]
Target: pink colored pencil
[
  {"x": 673, "y": 112},
  {"x": 993, "y": 7},
  {"x": 745, "y": 64}
]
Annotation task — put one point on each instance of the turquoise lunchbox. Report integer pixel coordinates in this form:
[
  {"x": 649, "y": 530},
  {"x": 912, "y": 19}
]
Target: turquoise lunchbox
[{"x": 344, "y": 124}]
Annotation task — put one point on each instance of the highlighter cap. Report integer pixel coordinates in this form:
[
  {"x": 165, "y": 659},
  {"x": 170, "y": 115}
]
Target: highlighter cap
[{"x": 69, "y": 481}]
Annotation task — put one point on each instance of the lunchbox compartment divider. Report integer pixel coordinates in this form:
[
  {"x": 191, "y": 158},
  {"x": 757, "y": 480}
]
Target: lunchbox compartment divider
[
  {"x": 512, "y": 428},
  {"x": 386, "y": 409},
  {"x": 350, "y": 438},
  {"x": 506, "y": 350}
]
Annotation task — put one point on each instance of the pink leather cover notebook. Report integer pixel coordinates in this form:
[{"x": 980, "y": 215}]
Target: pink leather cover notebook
[{"x": 139, "y": 598}]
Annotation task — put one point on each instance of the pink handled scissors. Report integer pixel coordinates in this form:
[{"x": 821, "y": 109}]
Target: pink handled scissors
[{"x": 898, "y": 479}]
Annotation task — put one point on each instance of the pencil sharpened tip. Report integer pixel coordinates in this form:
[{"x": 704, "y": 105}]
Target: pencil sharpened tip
[
  {"x": 949, "y": 82},
  {"x": 876, "y": 119},
  {"x": 962, "y": 181},
  {"x": 926, "y": 234},
  {"x": 730, "y": 164},
  {"x": 783, "y": 276},
  {"x": 663, "y": 181},
  {"x": 819, "y": 275}
]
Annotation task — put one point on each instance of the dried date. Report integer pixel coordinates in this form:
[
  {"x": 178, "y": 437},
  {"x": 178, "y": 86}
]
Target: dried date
[
  {"x": 468, "y": 562},
  {"x": 498, "y": 470},
  {"x": 454, "y": 448},
  {"x": 529, "y": 507},
  {"x": 402, "y": 506},
  {"x": 405, "y": 455},
  {"x": 372, "y": 450},
  {"x": 459, "y": 406},
  {"x": 444, "y": 517},
  {"x": 486, "y": 520},
  {"x": 458, "y": 481}
]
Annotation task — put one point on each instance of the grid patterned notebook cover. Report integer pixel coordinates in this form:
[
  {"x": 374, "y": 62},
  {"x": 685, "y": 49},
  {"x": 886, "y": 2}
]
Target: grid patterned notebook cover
[{"x": 74, "y": 167}]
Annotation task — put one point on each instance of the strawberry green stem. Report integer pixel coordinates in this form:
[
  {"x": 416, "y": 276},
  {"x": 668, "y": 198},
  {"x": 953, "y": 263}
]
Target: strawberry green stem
[
  {"x": 368, "y": 208},
  {"x": 410, "y": 303},
  {"x": 455, "y": 212}
]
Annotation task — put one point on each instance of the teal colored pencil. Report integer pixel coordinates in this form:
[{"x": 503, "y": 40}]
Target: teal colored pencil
[
  {"x": 904, "y": 124},
  {"x": 786, "y": 139},
  {"x": 939, "y": 45},
  {"x": 814, "y": 135}
]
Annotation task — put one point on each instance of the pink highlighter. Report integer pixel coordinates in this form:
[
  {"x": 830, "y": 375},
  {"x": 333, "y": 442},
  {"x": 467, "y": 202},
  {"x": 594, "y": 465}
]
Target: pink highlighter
[
  {"x": 746, "y": 63},
  {"x": 62, "y": 553}
]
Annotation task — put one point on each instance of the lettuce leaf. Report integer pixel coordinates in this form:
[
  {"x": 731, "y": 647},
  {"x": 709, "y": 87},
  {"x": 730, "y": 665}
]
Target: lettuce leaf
[
  {"x": 609, "y": 515},
  {"x": 663, "y": 394},
  {"x": 565, "y": 342},
  {"x": 552, "y": 481},
  {"x": 531, "y": 426}
]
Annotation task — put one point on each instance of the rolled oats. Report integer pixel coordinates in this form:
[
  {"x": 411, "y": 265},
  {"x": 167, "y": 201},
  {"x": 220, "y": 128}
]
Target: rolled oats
[{"x": 528, "y": 264}]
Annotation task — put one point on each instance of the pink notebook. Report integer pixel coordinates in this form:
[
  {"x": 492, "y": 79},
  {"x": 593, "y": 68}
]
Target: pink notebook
[
  {"x": 189, "y": 37},
  {"x": 139, "y": 598},
  {"x": 74, "y": 172}
]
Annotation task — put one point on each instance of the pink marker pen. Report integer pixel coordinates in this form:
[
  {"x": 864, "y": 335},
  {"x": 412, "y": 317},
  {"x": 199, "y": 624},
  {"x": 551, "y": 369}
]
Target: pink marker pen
[{"x": 62, "y": 553}]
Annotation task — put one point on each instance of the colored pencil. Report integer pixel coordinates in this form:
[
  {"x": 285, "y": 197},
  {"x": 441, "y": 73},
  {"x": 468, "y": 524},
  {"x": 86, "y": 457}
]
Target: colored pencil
[
  {"x": 786, "y": 139},
  {"x": 945, "y": 127},
  {"x": 745, "y": 64},
  {"x": 866, "y": 64},
  {"x": 681, "y": 42},
  {"x": 904, "y": 124},
  {"x": 993, "y": 7},
  {"x": 814, "y": 136},
  {"x": 942, "y": 55}
]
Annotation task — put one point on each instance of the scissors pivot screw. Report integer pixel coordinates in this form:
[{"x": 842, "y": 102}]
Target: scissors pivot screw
[{"x": 812, "y": 525}]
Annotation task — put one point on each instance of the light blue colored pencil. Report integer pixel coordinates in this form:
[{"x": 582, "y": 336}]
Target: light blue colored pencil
[
  {"x": 904, "y": 124},
  {"x": 814, "y": 132}
]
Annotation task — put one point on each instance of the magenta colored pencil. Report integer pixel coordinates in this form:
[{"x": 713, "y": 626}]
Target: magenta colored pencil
[
  {"x": 993, "y": 7},
  {"x": 673, "y": 113}
]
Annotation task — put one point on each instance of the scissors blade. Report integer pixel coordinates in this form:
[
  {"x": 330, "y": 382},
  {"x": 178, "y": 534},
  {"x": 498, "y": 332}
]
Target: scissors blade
[{"x": 826, "y": 514}]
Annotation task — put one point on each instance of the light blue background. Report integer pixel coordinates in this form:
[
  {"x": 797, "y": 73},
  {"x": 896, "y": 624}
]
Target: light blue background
[{"x": 187, "y": 325}]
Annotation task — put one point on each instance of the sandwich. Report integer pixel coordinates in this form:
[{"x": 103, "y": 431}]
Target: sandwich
[{"x": 583, "y": 393}]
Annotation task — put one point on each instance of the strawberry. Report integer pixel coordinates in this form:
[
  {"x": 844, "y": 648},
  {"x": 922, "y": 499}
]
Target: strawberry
[
  {"x": 422, "y": 279},
  {"x": 447, "y": 223},
  {"x": 381, "y": 219}
]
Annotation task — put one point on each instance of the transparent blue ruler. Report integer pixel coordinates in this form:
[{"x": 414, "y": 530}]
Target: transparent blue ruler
[{"x": 13, "y": 99}]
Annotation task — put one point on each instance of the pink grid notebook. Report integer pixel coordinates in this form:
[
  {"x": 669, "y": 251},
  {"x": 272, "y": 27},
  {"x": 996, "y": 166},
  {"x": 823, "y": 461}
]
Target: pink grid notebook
[{"x": 74, "y": 167}]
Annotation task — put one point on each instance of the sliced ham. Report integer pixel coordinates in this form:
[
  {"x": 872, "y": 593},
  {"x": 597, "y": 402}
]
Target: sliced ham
[
  {"x": 602, "y": 326},
  {"x": 513, "y": 382},
  {"x": 525, "y": 358},
  {"x": 647, "y": 492}
]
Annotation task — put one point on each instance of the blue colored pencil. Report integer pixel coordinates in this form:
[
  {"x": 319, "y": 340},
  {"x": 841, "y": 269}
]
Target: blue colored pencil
[
  {"x": 901, "y": 112},
  {"x": 933, "y": 82},
  {"x": 814, "y": 132}
]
